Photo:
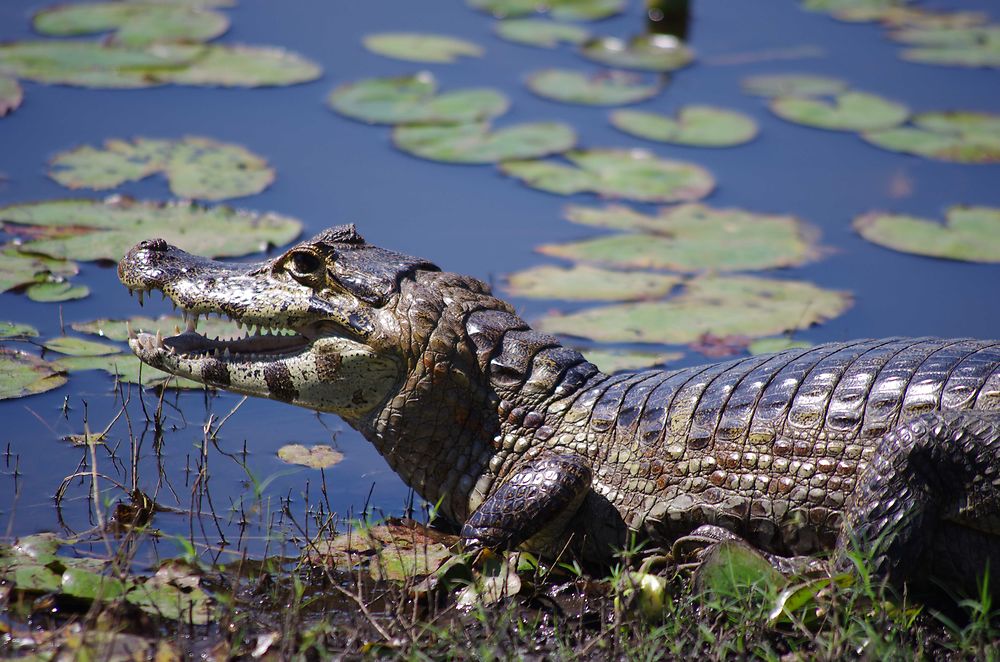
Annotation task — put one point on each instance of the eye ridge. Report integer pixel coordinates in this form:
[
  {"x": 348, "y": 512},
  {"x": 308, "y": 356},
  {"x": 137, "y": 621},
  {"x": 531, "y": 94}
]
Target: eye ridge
[{"x": 305, "y": 262}]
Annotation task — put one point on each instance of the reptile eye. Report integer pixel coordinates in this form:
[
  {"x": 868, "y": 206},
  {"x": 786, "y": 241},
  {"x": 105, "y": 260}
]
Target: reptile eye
[{"x": 305, "y": 263}]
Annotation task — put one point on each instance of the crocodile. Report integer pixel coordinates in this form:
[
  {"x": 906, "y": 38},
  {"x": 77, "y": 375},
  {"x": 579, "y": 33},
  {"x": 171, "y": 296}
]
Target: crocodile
[{"x": 889, "y": 446}]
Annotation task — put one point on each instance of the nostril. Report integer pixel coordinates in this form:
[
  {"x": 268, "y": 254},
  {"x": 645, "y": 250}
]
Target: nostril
[{"x": 154, "y": 245}]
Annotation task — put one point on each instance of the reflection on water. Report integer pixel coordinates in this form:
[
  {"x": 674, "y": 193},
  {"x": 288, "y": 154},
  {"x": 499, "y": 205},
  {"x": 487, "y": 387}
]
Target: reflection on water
[{"x": 670, "y": 17}]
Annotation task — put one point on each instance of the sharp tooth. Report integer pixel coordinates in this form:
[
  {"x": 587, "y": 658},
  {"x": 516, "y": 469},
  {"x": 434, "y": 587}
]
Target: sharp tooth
[
  {"x": 141, "y": 294},
  {"x": 131, "y": 332},
  {"x": 256, "y": 330},
  {"x": 159, "y": 338},
  {"x": 163, "y": 295},
  {"x": 130, "y": 292},
  {"x": 177, "y": 330},
  {"x": 226, "y": 352}
]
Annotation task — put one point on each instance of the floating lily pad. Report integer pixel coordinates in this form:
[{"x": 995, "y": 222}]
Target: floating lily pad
[
  {"x": 608, "y": 88},
  {"x": 691, "y": 237},
  {"x": 18, "y": 269},
  {"x": 540, "y": 32},
  {"x": 849, "y": 111},
  {"x": 397, "y": 550},
  {"x": 11, "y": 95},
  {"x": 133, "y": 23},
  {"x": 23, "y": 374},
  {"x": 723, "y": 306},
  {"x": 970, "y": 234},
  {"x": 56, "y": 291},
  {"x": 772, "y": 345},
  {"x": 94, "y": 230},
  {"x": 168, "y": 597},
  {"x": 10, "y": 330},
  {"x": 92, "y": 64},
  {"x": 477, "y": 143},
  {"x": 610, "y": 361},
  {"x": 610, "y": 173},
  {"x": 650, "y": 52},
  {"x": 416, "y": 47},
  {"x": 586, "y": 283},
  {"x": 960, "y": 137},
  {"x": 196, "y": 167},
  {"x": 704, "y": 126},
  {"x": 126, "y": 367},
  {"x": 953, "y": 46},
  {"x": 319, "y": 456},
  {"x": 244, "y": 66},
  {"x": 566, "y": 10},
  {"x": 837, "y": 6},
  {"x": 413, "y": 100},
  {"x": 792, "y": 85},
  {"x": 899, "y": 16},
  {"x": 80, "y": 346}
]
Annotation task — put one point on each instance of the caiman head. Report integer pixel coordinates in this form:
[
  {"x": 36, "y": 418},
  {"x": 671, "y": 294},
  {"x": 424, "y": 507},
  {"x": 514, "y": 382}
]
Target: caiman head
[{"x": 317, "y": 330}]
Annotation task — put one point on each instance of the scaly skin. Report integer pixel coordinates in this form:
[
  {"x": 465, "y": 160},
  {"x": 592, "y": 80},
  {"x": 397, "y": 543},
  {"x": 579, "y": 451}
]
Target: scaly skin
[{"x": 528, "y": 444}]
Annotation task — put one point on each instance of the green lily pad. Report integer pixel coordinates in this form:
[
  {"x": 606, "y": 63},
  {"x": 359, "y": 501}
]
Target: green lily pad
[
  {"x": 792, "y": 85},
  {"x": 610, "y": 361},
  {"x": 611, "y": 173},
  {"x": 174, "y": 592},
  {"x": 94, "y": 230},
  {"x": 23, "y": 374},
  {"x": 79, "y": 346},
  {"x": 196, "y": 167},
  {"x": 477, "y": 143},
  {"x": 540, "y": 32},
  {"x": 650, "y": 52},
  {"x": 969, "y": 234},
  {"x": 88, "y": 585},
  {"x": 413, "y": 100},
  {"x": 690, "y": 237},
  {"x": 952, "y": 46},
  {"x": 11, "y": 95},
  {"x": 16, "y": 330},
  {"x": 722, "y": 306},
  {"x": 837, "y": 6},
  {"x": 18, "y": 269},
  {"x": 900, "y": 16},
  {"x": 586, "y": 283},
  {"x": 33, "y": 577},
  {"x": 849, "y": 111},
  {"x": 117, "y": 329},
  {"x": 133, "y": 23},
  {"x": 126, "y": 367},
  {"x": 417, "y": 47},
  {"x": 703, "y": 126},
  {"x": 56, "y": 291},
  {"x": 960, "y": 137},
  {"x": 773, "y": 345},
  {"x": 565, "y": 10},
  {"x": 245, "y": 66},
  {"x": 397, "y": 550},
  {"x": 94, "y": 64},
  {"x": 319, "y": 456},
  {"x": 734, "y": 569},
  {"x": 607, "y": 88}
]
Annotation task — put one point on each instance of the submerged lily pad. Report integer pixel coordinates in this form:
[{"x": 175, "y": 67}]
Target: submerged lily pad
[
  {"x": 319, "y": 456},
  {"x": 610, "y": 361},
  {"x": 607, "y": 88},
  {"x": 133, "y": 23},
  {"x": 79, "y": 346},
  {"x": 196, "y": 167},
  {"x": 245, "y": 66},
  {"x": 18, "y": 269},
  {"x": 792, "y": 85},
  {"x": 565, "y": 10},
  {"x": 95, "y": 230},
  {"x": 704, "y": 126},
  {"x": 24, "y": 374},
  {"x": 773, "y": 345},
  {"x": 587, "y": 283},
  {"x": 953, "y": 46},
  {"x": 722, "y": 306},
  {"x": 690, "y": 237},
  {"x": 413, "y": 100},
  {"x": 960, "y": 137},
  {"x": 56, "y": 291},
  {"x": 477, "y": 143},
  {"x": 540, "y": 32},
  {"x": 416, "y": 47},
  {"x": 849, "y": 111},
  {"x": 10, "y": 330},
  {"x": 970, "y": 234},
  {"x": 650, "y": 52},
  {"x": 610, "y": 173},
  {"x": 11, "y": 95}
]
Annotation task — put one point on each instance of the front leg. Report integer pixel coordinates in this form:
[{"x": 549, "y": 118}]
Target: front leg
[{"x": 533, "y": 505}]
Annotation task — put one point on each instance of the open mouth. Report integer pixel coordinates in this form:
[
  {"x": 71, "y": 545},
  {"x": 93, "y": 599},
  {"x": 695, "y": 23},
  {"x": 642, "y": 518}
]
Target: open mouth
[{"x": 251, "y": 339}]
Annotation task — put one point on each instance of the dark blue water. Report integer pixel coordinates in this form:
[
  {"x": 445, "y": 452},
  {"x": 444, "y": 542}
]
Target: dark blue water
[{"x": 466, "y": 218}]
